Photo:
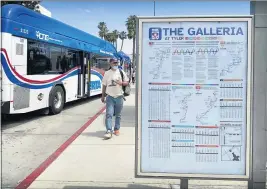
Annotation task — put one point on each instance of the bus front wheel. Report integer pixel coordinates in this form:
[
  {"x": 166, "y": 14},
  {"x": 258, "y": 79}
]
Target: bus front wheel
[{"x": 56, "y": 100}]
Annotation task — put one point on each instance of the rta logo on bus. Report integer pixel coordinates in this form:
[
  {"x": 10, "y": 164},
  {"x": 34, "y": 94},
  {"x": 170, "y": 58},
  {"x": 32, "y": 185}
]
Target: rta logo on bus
[
  {"x": 42, "y": 36},
  {"x": 95, "y": 85},
  {"x": 155, "y": 33}
]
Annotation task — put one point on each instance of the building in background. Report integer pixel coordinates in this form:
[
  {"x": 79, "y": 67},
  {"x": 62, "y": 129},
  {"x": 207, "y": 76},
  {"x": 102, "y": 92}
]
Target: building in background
[{"x": 43, "y": 10}]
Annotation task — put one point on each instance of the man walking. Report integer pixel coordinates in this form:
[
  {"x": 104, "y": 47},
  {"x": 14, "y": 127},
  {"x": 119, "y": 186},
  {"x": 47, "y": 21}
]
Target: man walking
[{"x": 112, "y": 90}]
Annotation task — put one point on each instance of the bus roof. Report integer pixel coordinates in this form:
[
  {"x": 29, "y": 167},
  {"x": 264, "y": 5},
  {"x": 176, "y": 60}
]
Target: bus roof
[{"x": 21, "y": 21}]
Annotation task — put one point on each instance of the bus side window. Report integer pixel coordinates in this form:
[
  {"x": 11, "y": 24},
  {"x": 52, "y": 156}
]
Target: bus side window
[
  {"x": 55, "y": 59},
  {"x": 93, "y": 62},
  {"x": 100, "y": 62},
  {"x": 70, "y": 59},
  {"x": 50, "y": 59},
  {"x": 74, "y": 57},
  {"x": 38, "y": 60},
  {"x": 103, "y": 63}
]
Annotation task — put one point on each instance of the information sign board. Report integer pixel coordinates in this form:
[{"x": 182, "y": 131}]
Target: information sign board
[{"x": 194, "y": 97}]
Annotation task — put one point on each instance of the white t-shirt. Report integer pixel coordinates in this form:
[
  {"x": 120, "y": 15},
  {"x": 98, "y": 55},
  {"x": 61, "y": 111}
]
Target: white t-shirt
[{"x": 113, "y": 89}]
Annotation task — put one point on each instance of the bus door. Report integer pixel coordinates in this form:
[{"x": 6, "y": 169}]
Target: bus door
[
  {"x": 88, "y": 75},
  {"x": 94, "y": 85},
  {"x": 82, "y": 75}
]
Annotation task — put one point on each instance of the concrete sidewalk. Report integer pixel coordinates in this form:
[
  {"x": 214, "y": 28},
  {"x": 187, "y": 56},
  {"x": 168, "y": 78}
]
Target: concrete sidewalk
[{"x": 93, "y": 163}]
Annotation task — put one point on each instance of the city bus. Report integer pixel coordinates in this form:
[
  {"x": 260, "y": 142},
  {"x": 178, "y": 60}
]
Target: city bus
[{"x": 46, "y": 63}]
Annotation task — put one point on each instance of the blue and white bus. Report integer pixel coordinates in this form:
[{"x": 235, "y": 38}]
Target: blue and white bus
[{"x": 46, "y": 63}]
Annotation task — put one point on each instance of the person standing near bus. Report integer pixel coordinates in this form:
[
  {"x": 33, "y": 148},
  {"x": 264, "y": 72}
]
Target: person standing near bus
[
  {"x": 112, "y": 94},
  {"x": 133, "y": 77}
]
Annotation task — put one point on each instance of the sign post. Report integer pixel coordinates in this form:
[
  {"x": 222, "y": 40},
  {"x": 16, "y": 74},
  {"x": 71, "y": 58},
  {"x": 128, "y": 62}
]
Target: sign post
[
  {"x": 259, "y": 152},
  {"x": 194, "y": 101}
]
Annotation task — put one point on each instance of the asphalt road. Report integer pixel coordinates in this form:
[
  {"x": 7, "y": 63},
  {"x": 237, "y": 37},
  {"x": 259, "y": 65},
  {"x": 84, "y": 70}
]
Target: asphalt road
[{"x": 29, "y": 139}]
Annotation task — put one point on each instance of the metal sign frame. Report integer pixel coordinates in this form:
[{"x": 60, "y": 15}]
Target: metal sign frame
[{"x": 138, "y": 148}]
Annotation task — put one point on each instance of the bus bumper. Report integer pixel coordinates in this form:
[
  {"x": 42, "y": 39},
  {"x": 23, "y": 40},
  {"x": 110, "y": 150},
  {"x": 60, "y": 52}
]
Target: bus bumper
[{"x": 5, "y": 107}]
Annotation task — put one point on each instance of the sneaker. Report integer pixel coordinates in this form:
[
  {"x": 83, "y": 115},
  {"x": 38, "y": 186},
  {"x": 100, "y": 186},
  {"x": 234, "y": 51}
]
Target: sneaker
[
  {"x": 117, "y": 132},
  {"x": 108, "y": 135}
]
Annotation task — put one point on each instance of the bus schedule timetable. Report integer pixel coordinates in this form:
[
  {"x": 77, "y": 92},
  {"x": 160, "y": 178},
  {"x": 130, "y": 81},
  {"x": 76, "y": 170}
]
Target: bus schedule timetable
[{"x": 195, "y": 91}]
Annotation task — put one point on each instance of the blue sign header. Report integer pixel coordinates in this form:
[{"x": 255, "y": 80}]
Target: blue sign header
[{"x": 157, "y": 33}]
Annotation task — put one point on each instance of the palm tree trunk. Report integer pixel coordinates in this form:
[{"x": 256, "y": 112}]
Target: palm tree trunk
[
  {"x": 116, "y": 44},
  {"x": 122, "y": 45}
]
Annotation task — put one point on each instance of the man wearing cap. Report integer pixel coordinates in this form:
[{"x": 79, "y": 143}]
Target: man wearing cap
[{"x": 112, "y": 90}]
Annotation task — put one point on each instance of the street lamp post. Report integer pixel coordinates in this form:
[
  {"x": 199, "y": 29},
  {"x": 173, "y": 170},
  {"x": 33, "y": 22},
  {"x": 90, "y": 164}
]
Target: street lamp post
[{"x": 154, "y": 8}]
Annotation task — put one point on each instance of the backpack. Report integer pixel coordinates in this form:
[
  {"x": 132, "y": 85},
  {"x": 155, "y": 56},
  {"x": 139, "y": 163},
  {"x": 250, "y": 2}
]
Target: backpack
[{"x": 126, "y": 89}]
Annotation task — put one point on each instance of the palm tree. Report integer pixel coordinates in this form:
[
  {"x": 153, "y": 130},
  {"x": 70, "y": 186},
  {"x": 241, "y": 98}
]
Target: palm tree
[
  {"x": 109, "y": 37},
  {"x": 116, "y": 36},
  {"x": 103, "y": 30},
  {"x": 122, "y": 36},
  {"x": 131, "y": 25}
]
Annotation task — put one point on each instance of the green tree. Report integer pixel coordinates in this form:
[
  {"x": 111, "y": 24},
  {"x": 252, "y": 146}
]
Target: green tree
[
  {"x": 103, "y": 30},
  {"x": 122, "y": 36},
  {"x": 29, "y": 4},
  {"x": 116, "y": 37},
  {"x": 131, "y": 25},
  {"x": 110, "y": 37}
]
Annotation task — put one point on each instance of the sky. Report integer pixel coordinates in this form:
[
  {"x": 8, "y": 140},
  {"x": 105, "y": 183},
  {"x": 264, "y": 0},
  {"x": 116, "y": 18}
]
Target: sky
[{"x": 85, "y": 15}]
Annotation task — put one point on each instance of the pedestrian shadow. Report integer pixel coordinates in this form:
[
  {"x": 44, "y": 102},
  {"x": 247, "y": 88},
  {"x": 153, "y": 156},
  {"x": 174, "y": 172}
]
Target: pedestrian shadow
[
  {"x": 131, "y": 186},
  {"x": 96, "y": 134}
]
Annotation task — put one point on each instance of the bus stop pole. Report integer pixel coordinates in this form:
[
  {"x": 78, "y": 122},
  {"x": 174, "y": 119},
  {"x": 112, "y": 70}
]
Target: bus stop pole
[
  {"x": 184, "y": 183},
  {"x": 259, "y": 109}
]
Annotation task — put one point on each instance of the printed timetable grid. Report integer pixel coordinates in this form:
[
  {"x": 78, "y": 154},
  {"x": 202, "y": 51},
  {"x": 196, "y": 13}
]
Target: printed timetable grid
[
  {"x": 207, "y": 153},
  {"x": 207, "y": 135},
  {"x": 231, "y": 88},
  {"x": 159, "y": 139},
  {"x": 159, "y": 101},
  {"x": 183, "y": 139},
  {"x": 231, "y": 109},
  {"x": 159, "y": 120}
]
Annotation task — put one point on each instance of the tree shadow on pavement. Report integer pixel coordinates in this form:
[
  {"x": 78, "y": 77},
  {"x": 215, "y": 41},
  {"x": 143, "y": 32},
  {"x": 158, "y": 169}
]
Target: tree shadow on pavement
[{"x": 130, "y": 186}]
